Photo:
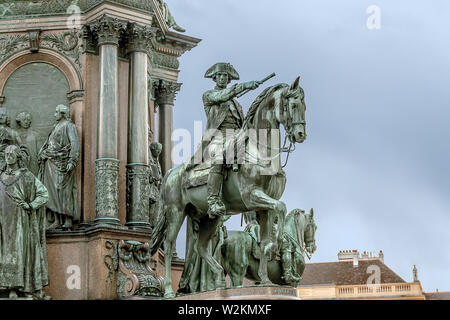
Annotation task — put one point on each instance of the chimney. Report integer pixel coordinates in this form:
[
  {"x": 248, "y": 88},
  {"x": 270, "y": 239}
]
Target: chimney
[
  {"x": 365, "y": 255},
  {"x": 355, "y": 261},
  {"x": 345, "y": 255}
]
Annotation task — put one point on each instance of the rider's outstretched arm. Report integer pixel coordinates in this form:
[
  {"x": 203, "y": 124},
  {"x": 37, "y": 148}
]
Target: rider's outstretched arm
[{"x": 215, "y": 97}]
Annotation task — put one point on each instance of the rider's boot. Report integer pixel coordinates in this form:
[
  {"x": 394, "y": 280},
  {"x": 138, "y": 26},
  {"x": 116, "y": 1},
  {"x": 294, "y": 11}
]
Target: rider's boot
[
  {"x": 216, "y": 208},
  {"x": 288, "y": 276}
]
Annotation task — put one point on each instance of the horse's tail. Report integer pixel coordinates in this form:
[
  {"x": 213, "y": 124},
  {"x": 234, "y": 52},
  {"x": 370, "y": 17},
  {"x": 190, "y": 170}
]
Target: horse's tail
[{"x": 160, "y": 229}]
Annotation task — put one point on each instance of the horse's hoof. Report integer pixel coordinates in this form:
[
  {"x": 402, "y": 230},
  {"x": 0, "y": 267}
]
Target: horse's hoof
[
  {"x": 169, "y": 295},
  {"x": 265, "y": 283}
]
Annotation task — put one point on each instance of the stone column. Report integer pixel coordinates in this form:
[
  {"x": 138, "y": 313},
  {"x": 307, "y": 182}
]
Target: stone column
[
  {"x": 165, "y": 98},
  {"x": 137, "y": 167},
  {"x": 108, "y": 31}
]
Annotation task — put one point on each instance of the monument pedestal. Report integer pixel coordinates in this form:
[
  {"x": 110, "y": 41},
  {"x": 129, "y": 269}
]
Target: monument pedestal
[
  {"x": 80, "y": 264},
  {"x": 246, "y": 293}
]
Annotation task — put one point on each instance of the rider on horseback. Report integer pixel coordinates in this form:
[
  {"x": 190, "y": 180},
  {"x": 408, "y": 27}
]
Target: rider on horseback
[{"x": 224, "y": 114}]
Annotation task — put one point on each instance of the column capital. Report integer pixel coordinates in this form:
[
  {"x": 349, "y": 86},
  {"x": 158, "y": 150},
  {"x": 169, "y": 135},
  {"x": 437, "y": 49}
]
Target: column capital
[
  {"x": 166, "y": 91},
  {"x": 108, "y": 29},
  {"x": 139, "y": 37}
]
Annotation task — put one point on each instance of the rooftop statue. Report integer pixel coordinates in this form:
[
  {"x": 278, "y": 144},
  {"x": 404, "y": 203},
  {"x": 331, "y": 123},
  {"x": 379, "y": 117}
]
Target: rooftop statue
[
  {"x": 255, "y": 184},
  {"x": 23, "y": 255},
  {"x": 168, "y": 17}
]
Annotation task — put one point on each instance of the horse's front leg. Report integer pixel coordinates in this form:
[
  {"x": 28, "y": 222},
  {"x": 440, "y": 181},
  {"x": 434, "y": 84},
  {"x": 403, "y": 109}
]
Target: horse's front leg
[
  {"x": 265, "y": 245},
  {"x": 268, "y": 209}
]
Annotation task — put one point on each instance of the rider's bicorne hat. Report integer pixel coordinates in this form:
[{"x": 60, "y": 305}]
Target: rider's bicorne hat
[{"x": 222, "y": 67}]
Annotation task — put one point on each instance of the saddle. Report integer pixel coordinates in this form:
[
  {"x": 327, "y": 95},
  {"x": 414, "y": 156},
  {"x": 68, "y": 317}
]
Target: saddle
[{"x": 196, "y": 176}]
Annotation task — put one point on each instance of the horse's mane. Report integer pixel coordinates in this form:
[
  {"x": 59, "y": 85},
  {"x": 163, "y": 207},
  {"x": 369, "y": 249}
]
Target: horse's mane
[{"x": 255, "y": 105}]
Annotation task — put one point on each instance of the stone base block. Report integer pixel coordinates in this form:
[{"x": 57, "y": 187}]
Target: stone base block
[
  {"x": 78, "y": 262},
  {"x": 246, "y": 293}
]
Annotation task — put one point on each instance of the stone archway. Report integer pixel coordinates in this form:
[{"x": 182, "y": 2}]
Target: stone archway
[
  {"x": 37, "y": 83},
  {"x": 37, "y": 88}
]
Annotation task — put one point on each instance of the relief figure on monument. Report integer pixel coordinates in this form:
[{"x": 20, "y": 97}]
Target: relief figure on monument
[
  {"x": 8, "y": 136},
  {"x": 30, "y": 138},
  {"x": 155, "y": 180},
  {"x": 58, "y": 159},
  {"x": 23, "y": 256}
]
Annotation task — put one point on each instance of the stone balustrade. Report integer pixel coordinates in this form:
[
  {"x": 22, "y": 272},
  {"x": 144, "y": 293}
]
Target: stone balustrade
[{"x": 380, "y": 291}]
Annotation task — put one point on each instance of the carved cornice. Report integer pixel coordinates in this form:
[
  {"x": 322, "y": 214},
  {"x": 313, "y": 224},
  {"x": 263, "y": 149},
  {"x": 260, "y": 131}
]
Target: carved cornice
[
  {"x": 166, "y": 91},
  {"x": 164, "y": 61},
  {"x": 139, "y": 37},
  {"x": 108, "y": 30},
  {"x": 13, "y": 8}
]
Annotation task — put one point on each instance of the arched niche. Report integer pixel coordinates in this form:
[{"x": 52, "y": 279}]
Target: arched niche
[{"x": 36, "y": 87}]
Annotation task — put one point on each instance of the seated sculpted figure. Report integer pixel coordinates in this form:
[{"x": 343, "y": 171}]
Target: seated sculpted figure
[
  {"x": 168, "y": 17},
  {"x": 23, "y": 256}
]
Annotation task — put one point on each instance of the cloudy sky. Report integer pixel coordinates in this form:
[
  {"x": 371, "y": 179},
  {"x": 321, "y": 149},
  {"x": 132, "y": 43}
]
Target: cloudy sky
[{"x": 375, "y": 166}]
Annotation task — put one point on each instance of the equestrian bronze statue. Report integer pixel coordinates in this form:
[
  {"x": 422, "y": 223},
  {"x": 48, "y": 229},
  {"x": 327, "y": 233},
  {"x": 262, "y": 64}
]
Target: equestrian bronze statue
[{"x": 251, "y": 179}]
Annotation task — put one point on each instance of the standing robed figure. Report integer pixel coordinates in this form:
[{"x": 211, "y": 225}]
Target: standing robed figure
[
  {"x": 23, "y": 255},
  {"x": 58, "y": 158}
]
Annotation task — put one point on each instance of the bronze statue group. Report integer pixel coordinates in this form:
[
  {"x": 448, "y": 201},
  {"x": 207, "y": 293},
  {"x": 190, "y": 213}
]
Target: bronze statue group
[
  {"x": 38, "y": 191},
  {"x": 37, "y": 184}
]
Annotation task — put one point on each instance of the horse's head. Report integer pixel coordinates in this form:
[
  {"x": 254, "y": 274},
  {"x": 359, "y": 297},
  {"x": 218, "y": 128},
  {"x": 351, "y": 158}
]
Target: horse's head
[
  {"x": 293, "y": 112},
  {"x": 310, "y": 233}
]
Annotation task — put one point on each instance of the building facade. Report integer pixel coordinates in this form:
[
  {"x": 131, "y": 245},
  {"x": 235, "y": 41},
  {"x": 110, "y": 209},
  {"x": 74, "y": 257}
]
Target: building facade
[{"x": 356, "y": 276}]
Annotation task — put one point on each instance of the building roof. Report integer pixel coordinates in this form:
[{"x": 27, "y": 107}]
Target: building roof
[
  {"x": 342, "y": 273},
  {"x": 437, "y": 295}
]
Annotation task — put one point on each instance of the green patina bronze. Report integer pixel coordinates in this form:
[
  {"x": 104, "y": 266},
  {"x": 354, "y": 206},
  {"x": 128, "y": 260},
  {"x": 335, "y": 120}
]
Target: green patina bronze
[
  {"x": 241, "y": 252},
  {"x": 58, "y": 159},
  {"x": 168, "y": 17},
  {"x": 246, "y": 187},
  {"x": 23, "y": 256}
]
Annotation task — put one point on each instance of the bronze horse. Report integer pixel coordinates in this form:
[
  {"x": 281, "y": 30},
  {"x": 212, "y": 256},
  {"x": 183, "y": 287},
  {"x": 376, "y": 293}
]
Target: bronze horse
[
  {"x": 256, "y": 186},
  {"x": 241, "y": 257}
]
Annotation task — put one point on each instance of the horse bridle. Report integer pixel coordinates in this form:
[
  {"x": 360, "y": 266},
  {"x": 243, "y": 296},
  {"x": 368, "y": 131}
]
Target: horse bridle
[{"x": 289, "y": 124}]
